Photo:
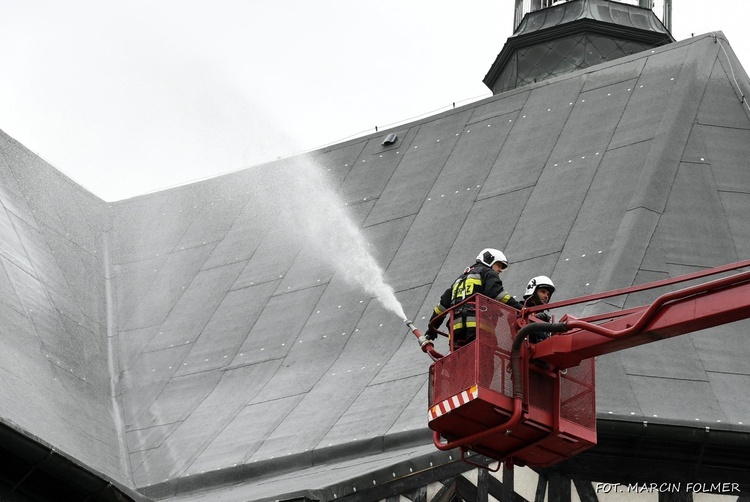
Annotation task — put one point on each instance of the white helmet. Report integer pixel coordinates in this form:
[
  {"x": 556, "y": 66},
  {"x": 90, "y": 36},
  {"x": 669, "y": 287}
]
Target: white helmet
[
  {"x": 490, "y": 256},
  {"x": 540, "y": 281}
]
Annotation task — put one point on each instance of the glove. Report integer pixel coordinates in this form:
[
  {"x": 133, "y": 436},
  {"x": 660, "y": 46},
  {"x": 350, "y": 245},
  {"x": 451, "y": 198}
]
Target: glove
[
  {"x": 543, "y": 316},
  {"x": 428, "y": 337}
]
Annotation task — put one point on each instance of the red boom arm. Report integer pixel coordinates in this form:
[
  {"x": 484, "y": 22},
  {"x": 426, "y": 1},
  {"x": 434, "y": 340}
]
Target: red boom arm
[{"x": 676, "y": 313}]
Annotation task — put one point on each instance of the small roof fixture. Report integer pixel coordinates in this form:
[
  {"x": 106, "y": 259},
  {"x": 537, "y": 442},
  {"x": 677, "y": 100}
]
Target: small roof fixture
[{"x": 390, "y": 139}]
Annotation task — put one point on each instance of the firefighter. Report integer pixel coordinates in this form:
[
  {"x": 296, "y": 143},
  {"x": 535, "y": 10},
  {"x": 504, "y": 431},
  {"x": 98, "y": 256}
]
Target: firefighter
[
  {"x": 539, "y": 292},
  {"x": 483, "y": 278}
]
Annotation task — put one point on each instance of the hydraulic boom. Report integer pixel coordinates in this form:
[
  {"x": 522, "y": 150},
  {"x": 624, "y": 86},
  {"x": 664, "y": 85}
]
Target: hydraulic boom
[{"x": 706, "y": 305}]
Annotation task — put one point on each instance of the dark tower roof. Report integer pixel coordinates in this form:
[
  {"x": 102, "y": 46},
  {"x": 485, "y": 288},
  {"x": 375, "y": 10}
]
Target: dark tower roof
[{"x": 571, "y": 36}]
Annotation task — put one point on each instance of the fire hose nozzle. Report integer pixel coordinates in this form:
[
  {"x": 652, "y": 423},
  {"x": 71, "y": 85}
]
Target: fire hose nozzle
[
  {"x": 423, "y": 341},
  {"x": 414, "y": 329}
]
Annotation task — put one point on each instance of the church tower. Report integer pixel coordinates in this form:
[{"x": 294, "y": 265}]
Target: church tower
[{"x": 554, "y": 37}]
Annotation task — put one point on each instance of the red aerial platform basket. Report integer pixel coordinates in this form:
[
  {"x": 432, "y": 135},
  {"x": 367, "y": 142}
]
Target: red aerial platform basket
[
  {"x": 534, "y": 404},
  {"x": 472, "y": 403}
]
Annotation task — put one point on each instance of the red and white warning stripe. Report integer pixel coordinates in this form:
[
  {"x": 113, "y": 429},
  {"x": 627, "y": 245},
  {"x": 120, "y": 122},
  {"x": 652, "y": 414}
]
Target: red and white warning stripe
[{"x": 452, "y": 403}]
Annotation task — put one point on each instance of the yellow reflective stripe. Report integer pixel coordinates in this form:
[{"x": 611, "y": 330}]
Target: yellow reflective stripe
[
  {"x": 505, "y": 298},
  {"x": 486, "y": 328},
  {"x": 471, "y": 283},
  {"x": 458, "y": 290},
  {"x": 439, "y": 309},
  {"x": 465, "y": 288},
  {"x": 460, "y": 324}
]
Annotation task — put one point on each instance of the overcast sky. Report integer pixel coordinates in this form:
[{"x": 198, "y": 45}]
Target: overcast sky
[{"x": 128, "y": 97}]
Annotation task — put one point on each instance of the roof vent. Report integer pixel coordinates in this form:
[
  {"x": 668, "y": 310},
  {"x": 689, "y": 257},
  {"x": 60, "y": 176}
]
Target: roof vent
[{"x": 390, "y": 139}]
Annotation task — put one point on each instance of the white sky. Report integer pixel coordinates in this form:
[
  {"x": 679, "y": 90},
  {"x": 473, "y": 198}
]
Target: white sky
[{"x": 128, "y": 97}]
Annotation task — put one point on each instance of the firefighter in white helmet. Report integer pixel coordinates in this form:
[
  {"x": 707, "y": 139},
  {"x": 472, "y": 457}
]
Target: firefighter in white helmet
[
  {"x": 482, "y": 277},
  {"x": 539, "y": 292}
]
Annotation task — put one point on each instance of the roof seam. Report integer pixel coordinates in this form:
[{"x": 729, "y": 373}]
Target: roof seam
[
  {"x": 725, "y": 190},
  {"x": 635, "y": 208},
  {"x": 414, "y": 287},
  {"x": 519, "y": 189},
  {"x": 625, "y": 145},
  {"x": 727, "y": 373},
  {"x": 705, "y": 123},
  {"x": 659, "y": 377},
  {"x": 407, "y": 377}
]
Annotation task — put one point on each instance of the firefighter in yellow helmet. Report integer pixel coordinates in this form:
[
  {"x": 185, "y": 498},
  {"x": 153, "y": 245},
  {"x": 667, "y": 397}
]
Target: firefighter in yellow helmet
[{"x": 482, "y": 277}]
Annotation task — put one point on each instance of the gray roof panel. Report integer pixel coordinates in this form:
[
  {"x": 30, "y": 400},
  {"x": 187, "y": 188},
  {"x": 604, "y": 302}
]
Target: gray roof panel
[
  {"x": 504, "y": 104},
  {"x": 536, "y": 127},
  {"x": 368, "y": 175},
  {"x": 409, "y": 185},
  {"x": 270, "y": 261},
  {"x": 374, "y": 411},
  {"x": 253, "y": 423},
  {"x": 13, "y": 197},
  {"x": 320, "y": 342},
  {"x": 276, "y": 329},
  {"x": 196, "y": 307},
  {"x": 216, "y": 398},
  {"x": 146, "y": 381},
  {"x": 735, "y": 207},
  {"x": 11, "y": 247},
  {"x": 686, "y": 230},
  {"x": 722, "y": 148},
  {"x": 221, "y": 339},
  {"x": 621, "y": 70},
  {"x": 166, "y": 284},
  {"x": 733, "y": 387},
  {"x": 668, "y": 400},
  {"x": 720, "y": 102},
  {"x": 211, "y": 223},
  {"x": 719, "y": 346},
  {"x": 648, "y": 95},
  {"x": 684, "y": 361},
  {"x": 615, "y": 395}
]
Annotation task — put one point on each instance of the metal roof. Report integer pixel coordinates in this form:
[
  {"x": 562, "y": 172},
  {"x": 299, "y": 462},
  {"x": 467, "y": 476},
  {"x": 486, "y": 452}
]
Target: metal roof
[{"x": 245, "y": 360}]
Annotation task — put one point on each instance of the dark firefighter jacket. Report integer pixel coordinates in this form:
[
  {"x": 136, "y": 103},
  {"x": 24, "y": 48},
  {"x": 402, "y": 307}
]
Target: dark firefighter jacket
[
  {"x": 542, "y": 316},
  {"x": 479, "y": 278}
]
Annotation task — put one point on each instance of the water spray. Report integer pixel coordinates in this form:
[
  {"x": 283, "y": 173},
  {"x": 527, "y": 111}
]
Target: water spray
[
  {"x": 315, "y": 215},
  {"x": 312, "y": 209}
]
